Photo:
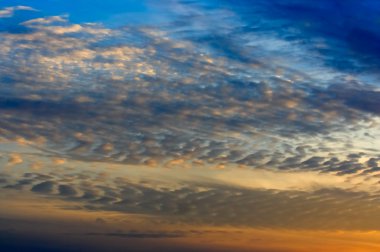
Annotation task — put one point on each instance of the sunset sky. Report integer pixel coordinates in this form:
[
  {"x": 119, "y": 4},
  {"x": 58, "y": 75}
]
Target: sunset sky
[{"x": 190, "y": 125}]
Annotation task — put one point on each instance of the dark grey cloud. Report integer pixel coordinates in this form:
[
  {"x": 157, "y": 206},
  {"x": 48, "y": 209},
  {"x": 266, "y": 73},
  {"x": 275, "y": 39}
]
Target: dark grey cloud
[
  {"x": 372, "y": 162},
  {"x": 3, "y": 179},
  {"x": 372, "y": 169},
  {"x": 44, "y": 187},
  {"x": 357, "y": 96},
  {"x": 142, "y": 235},
  {"x": 66, "y": 190},
  {"x": 20, "y": 184}
]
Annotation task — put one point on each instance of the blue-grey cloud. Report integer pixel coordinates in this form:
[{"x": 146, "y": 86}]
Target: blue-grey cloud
[
  {"x": 66, "y": 190},
  {"x": 44, "y": 187}
]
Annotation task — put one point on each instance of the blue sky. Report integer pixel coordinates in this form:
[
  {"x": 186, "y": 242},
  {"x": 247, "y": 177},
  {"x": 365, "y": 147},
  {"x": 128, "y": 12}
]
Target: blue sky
[{"x": 83, "y": 11}]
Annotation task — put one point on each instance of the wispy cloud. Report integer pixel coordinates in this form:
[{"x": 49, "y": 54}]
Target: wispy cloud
[
  {"x": 141, "y": 235},
  {"x": 10, "y": 11}
]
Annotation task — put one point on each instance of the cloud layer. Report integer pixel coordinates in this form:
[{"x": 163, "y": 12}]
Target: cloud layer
[{"x": 252, "y": 116}]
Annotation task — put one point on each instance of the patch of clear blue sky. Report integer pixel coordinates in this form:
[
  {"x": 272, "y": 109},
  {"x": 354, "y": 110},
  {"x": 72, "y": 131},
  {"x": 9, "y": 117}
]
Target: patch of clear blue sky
[{"x": 81, "y": 11}]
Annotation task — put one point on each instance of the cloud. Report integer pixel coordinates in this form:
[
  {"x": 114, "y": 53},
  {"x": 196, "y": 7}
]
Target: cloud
[
  {"x": 10, "y": 11},
  {"x": 236, "y": 198},
  {"x": 179, "y": 101},
  {"x": 345, "y": 42},
  {"x": 225, "y": 96},
  {"x": 66, "y": 190},
  {"x": 142, "y": 235},
  {"x": 256, "y": 208},
  {"x": 354, "y": 97},
  {"x": 15, "y": 159},
  {"x": 58, "y": 161},
  {"x": 211, "y": 119},
  {"x": 44, "y": 187},
  {"x": 45, "y": 20}
]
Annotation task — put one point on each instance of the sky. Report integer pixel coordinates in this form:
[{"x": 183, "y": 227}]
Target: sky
[{"x": 190, "y": 125}]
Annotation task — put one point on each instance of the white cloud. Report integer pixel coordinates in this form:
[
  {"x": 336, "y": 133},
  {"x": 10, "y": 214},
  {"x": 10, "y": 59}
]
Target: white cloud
[
  {"x": 45, "y": 20},
  {"x": 10, "y": 11}
]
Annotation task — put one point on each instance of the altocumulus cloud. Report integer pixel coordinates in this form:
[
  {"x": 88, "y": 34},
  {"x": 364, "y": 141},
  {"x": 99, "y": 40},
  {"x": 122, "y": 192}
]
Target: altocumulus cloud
[
  {"x": 232, "y": 94},
  {"x": 167, "y": 98}
]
